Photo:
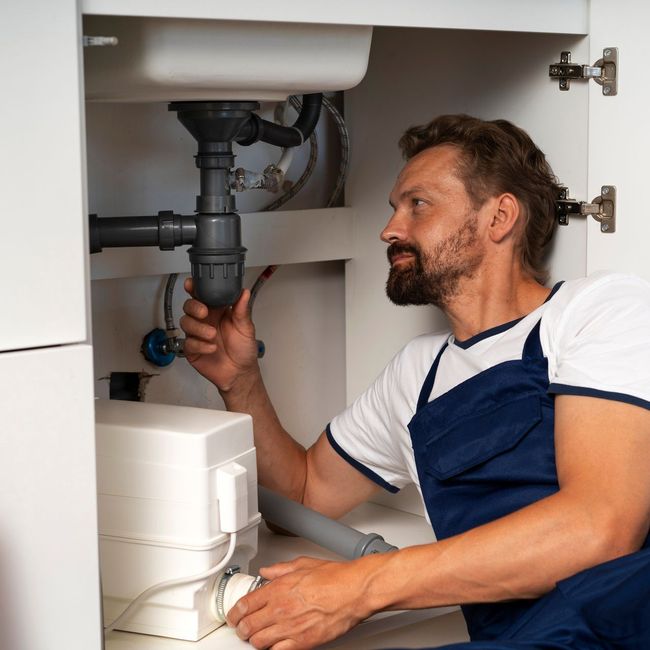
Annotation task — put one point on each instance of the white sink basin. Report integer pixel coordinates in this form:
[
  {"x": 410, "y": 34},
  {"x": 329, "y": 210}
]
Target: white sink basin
[{"x": 163, "y": 59}]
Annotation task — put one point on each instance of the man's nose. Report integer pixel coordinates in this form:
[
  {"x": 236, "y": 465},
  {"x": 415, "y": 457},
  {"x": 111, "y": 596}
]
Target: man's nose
[{"x": 394, "y": 230}]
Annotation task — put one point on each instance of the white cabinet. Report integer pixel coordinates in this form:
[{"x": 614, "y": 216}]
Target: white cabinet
[
  {"x": 619, "y": 137},
  {"x": 49, "y": 579},
  {"x": 49, "y": 575},
  {"x": 42, "y": 169}
]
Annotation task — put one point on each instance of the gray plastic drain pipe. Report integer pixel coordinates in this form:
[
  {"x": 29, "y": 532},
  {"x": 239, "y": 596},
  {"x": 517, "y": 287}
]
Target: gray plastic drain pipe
[{"x": 328, "y": 533}]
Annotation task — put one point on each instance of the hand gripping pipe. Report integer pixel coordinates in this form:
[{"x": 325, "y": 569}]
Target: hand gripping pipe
[
  {"x": 216, "y": 255},
  {"x": 328, "y": 533}
]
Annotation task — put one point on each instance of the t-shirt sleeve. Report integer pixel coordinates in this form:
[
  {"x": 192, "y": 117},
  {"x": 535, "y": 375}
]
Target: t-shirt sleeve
[
  {"x": 603, "y": 343},
  {"x": 363, "y": 434}
]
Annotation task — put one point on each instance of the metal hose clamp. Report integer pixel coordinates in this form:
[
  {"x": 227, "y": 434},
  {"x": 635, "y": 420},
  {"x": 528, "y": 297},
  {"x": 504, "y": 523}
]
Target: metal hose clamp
[{"x": 221, "y": 590}]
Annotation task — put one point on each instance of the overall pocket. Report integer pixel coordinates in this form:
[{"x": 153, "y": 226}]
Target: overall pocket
[
  {"x": 474, "y": 440},
  {"x": 486, "y": 465}
]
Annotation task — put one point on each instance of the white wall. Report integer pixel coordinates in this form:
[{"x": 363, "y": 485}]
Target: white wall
[{"x": 414, "y": 75}]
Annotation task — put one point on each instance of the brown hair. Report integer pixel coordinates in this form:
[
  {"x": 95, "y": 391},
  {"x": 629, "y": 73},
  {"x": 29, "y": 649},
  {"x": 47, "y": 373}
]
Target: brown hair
[{"x": 498, "y": 157}]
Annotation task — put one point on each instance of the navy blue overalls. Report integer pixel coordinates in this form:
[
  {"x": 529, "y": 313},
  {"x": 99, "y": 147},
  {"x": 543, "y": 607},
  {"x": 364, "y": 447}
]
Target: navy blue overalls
[{"x": 484, "y": 449}]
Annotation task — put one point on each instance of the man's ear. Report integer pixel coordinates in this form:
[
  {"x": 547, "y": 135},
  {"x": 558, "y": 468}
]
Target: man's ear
[{"x": 506, "y": 213}]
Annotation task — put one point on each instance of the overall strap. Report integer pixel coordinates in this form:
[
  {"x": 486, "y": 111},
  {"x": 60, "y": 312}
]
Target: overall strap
[
  {"x": 533, "y": 345},
  {"x": 427, "y": 387}
]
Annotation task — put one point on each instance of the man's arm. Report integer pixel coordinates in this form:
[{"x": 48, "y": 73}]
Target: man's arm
[
  {"x": 601, "y": 511},
  {"x": 221, "y": 346}
]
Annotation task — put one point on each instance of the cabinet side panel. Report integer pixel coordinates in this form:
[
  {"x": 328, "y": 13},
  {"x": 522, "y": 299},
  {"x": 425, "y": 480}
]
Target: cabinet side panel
[
  {"x": 619, "y": 138},
  {"x": 42, "y": 250},
  {"x": 49, "y": 568}
]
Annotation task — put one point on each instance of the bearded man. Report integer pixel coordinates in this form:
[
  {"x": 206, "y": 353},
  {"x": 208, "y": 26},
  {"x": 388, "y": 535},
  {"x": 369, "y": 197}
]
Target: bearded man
[{"x": 526, "y": 428}]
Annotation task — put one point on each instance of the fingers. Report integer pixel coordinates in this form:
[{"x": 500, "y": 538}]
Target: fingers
[
  {"x": 189, "y": 286},
  {"x": 254, "y": 624},
  {"x": 194, "y": 347},
  {"x": 200, "y": 335},
  {"x": 195, "y": 309},
  {"x": 282, "y": 568},
  {"x": 263, "y": 629},
  {"x": 287, "y": 644},
  {"x": 249, "y": 603},
  {"x": 198, "y": 329}
]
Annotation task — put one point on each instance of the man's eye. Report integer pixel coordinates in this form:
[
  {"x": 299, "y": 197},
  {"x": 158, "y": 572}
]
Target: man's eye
[{"x": 417, "y": 202}]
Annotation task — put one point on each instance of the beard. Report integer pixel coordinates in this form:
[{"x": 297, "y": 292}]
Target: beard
[{"x": 433, "y": 278}]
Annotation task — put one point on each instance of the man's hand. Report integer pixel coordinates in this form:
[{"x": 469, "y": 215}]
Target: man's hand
[
  {"x": 220, "y": 342},
  {"x": 307, "y": 603}
]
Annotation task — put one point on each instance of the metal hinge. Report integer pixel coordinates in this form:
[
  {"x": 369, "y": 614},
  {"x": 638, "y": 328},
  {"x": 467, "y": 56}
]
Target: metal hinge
[
  {"x": 603, "y": 72},
  {"x": 602, "y": 208}
]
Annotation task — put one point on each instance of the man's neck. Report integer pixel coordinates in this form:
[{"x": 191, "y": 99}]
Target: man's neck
[{"x": 485, "y": 301}]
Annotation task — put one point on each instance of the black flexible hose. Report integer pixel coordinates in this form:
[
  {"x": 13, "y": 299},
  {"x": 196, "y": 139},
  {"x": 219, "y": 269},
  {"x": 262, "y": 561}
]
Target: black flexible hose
[
  {"x": 169, "y": 296},
  {"x": 284, "y": 136}
]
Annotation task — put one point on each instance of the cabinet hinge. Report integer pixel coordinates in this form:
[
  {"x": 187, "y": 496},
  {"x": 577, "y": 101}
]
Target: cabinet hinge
[
  {"x": 603, "y": 72},
  {"x": 602, "y": 208}
]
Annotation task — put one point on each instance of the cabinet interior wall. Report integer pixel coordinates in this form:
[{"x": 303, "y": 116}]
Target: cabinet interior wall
[{"x": 328, "y": 326}]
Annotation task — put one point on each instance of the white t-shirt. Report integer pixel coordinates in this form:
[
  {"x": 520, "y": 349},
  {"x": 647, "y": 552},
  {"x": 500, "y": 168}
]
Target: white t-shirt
[{"x": 594, "y": 332}]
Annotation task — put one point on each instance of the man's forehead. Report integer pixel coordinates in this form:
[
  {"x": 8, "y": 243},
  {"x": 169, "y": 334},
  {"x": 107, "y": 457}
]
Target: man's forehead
[
  {"x": 431, "y": 167},
  {"x": 440, "y": 157}
]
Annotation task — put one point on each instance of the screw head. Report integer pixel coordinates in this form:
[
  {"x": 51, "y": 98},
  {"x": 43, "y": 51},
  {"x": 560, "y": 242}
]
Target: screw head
[
  {"x": 605, "y": 190},
  {"x": 604, "y": 227},
  {"x": 607, "y": 52},
  {"x": 607, "y": 90}
]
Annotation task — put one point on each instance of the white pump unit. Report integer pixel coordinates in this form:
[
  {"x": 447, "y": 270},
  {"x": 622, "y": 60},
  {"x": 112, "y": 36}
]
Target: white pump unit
[{"x": 173, "y": 483}]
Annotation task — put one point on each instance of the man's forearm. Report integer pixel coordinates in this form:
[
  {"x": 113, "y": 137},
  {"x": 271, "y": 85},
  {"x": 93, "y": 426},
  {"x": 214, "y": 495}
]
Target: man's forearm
[
  {"x": 281, "y": 461},
  {"x": 522, "y": 555}
]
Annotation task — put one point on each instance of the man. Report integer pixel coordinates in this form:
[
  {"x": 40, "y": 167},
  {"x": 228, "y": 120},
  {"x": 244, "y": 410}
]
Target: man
[{"x": 526, "y": 429}]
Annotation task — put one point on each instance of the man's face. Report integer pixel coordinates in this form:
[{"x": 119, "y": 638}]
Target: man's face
[{"x": 433, "y": 235}]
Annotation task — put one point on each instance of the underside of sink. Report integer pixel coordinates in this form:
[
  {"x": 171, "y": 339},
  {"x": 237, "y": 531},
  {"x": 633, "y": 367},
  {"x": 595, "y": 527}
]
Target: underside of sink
[{"x": 163, "y": 59}]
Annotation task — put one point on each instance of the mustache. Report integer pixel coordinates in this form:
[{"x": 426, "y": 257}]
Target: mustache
[{"x": 399, "y": 249}]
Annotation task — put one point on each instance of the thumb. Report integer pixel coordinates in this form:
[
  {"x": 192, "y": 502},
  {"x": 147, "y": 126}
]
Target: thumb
[{"x": 240, "y": 312}]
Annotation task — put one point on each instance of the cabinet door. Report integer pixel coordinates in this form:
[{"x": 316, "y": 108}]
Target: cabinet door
[
  {"x": 619, "y": 137},
  {"x": 42, "y": 245},
  {"x": 49, "y": 567}
]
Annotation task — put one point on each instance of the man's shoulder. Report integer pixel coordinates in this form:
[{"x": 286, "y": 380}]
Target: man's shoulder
[
  {"x": 596, "y": 307},
  {"x": 425, "y": 344},
  {"x": 597, "y": 287},
  {"x": 417, "y": 355}
]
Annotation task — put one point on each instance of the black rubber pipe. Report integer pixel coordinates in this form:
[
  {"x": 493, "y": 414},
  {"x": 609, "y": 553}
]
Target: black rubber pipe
[{"x": 257, "y": 129}]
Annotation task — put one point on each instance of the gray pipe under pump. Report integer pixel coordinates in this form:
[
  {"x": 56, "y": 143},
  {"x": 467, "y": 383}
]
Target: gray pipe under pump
[{"x": 328, "y": 533}]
